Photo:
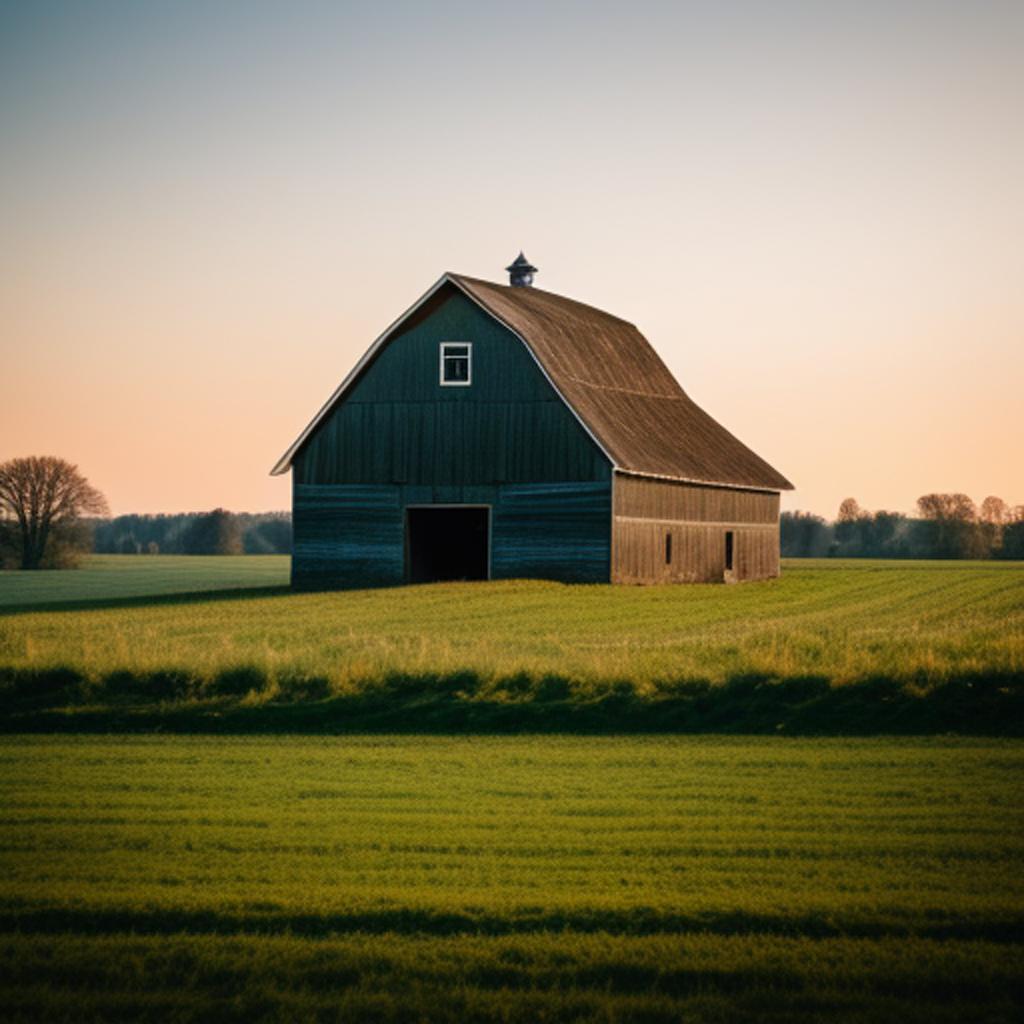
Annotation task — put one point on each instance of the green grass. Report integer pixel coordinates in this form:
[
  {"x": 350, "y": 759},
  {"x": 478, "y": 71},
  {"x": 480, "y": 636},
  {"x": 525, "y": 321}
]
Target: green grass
[
  {"x": 117, "y": 577},
  {"x": 511, "y": 879},
  {"x": 832, "y": 646}
]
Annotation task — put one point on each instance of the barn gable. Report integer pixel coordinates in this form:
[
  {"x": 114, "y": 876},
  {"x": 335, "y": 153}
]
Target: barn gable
[
  {"x": 509, "y": 426},
  {"x": 612, "y": 380}
]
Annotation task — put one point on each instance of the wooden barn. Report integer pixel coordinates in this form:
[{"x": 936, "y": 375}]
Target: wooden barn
[{"x": 500, "y": 431}]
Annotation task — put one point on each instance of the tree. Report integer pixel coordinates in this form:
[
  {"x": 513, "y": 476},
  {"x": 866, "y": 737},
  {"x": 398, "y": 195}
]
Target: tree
[
  {"x": 847, "y": 523},
  {"x": 43, "y": 499},
  {"x": 950, "y": 523},
  {"x": 994, "y": 510},
  {"x": 268, "y": 533},
  {"x": 1013, "y": 534},
  {"x": 804, "y": 535},
  {"x": 993, "y": 516},
  {"x": 214, "y": 533},
  {"x": 849, "y": 511}
]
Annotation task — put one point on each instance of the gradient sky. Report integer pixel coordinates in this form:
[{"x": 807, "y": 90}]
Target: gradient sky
[{"x": 815, "y": 213}]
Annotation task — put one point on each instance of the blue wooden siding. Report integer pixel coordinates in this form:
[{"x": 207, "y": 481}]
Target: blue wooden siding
[
  {"x": 399, "y": 438},
  {"x": 354, "y": 535},
  {"x": 349, "y": 535},
  {"x": 553, "y": 531},
  {"x": 399, "y": 425}
]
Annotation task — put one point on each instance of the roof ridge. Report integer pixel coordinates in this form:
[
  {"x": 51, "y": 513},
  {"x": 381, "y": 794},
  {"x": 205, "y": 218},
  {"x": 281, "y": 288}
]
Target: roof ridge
[{"x": 514, "y": 292}]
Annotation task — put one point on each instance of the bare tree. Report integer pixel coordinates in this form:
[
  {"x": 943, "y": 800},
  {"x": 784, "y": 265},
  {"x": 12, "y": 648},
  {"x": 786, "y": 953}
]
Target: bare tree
[
  {"x": 847, "y": 524},
  {"x": 45, "y": 496},
  {"x": 993, "y": 517},
  {"x": 849, "y": 511},
  {"x": 994, "y": 510},
  {"x": 951, "y": 522}
]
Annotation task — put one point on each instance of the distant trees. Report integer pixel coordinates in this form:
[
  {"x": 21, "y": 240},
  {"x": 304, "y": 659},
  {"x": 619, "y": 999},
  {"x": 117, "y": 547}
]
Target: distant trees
[
  {"x": 805, "y": 535},
  {"x": 267, "y": 534},
  {"x": 994, "y": 516},
  {"x": 946, "y": 526},
  {"x": 1013, "y": 535},
  {"x": 42, "y": 503},
  {"x": 949, "y": 526},
  {"x": 214, "y": 533},
  {"x": 193, "y": 533}
]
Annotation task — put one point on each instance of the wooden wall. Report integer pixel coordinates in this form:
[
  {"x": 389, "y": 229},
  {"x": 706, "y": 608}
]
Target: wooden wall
[
  {"x": 697, "y": 519},
  {"x": 353, "y": 535},
  {"x": 507, "y": 441},
  {"x": 399, "y": 425},
  {"x": 399, "y": 438}
]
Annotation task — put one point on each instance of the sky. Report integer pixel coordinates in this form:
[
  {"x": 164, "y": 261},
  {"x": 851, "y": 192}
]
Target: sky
[{"x": 813, "y": 211}]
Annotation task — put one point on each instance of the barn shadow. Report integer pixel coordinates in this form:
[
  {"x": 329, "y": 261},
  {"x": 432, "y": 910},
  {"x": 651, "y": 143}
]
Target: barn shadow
[
  {"x": 242, "y": 699},
  {"x": 146, "y": 600}
]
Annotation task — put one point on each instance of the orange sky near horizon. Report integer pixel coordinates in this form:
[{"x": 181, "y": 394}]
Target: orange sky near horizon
[{"x": 207, "y": 215}]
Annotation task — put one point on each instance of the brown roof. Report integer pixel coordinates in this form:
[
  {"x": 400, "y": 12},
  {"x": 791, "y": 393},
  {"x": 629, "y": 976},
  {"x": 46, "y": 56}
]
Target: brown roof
[
  {"x": 619, "y": 387},
  {"x": 613, "y": 380}
]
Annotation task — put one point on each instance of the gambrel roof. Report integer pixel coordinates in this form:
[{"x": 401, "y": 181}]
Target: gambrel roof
[{"x": 611, "y": 378}]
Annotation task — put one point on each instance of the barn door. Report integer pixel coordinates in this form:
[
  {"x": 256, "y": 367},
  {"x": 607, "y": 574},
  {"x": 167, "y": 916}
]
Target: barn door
[{"x": 448, "y": 542}]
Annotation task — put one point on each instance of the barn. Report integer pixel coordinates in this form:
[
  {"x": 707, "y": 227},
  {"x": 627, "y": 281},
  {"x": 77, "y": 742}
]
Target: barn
[{"x": 501, "y": 431}]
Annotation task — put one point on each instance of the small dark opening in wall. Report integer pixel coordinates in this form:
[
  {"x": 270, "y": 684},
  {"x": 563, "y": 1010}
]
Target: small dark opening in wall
[
  {"x": 447, "y": 543},
  {"x": 668, "y": 548},
  {"x": 728, "y": 550}
]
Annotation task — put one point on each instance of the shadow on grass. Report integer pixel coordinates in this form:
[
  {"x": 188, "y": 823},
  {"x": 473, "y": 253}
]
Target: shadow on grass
[
  {"x": 146, "y": 600},
  {"x": 425, "y": 921},
  {"x": 242, "y": 700}
]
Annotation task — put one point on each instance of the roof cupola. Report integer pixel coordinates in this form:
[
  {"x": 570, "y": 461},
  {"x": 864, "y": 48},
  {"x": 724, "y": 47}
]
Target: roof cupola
[{"x": 521, "y": 272}]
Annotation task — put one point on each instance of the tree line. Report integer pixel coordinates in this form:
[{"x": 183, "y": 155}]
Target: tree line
[
  {"x": 946, "y": 526},
  {"x": 50, "y": 515},
  {"x": 219, "y": 532}
]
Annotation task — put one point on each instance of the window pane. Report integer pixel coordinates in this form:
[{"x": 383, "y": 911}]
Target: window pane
[
  {"x": 456, "y": 368},
  {"x": 457, "y": 350}
]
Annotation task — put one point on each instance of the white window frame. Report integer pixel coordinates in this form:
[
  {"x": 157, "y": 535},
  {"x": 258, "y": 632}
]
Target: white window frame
[{"x": 468, "y": 346}]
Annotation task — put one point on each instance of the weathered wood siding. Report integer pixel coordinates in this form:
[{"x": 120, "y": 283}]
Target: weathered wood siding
[
  {"x": 398, "y": 425},
  {"x": 399, "y": 438},
  {"x": 347, "y": 535},
  {"x": 353, "y": 535},
  {"x": 697, "y": 519},
  {"x": 553, "y": 531}
]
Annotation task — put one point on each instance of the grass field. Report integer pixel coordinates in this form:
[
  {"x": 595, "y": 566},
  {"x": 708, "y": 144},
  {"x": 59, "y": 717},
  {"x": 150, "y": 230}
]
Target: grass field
[
  {"x": 511, "y": 879},
  {"x": 853, "y": 646},
  {"x": 115, "y": 577}
]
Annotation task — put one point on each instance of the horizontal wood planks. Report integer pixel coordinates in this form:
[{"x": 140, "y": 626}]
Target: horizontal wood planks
[
  {"x": 354, "y": 535},
  {"x": 697, "y": 518},
  {"x": 553, "y": 531},
  {"x": 666, "y": 499},
  {"x": 346, "y": 536}
]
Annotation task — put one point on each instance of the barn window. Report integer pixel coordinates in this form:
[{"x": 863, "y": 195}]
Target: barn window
[
  {"x": 728, "y": 550},
  {"x": 668, "y": 548},
  {"x": 456, "y": 363}
]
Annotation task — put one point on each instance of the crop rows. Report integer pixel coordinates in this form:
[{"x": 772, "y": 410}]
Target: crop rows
[{"x": 511, "y": 878}]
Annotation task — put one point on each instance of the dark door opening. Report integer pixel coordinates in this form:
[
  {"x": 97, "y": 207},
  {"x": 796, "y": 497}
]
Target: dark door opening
[
  {"x": 449, "y": 543},
  {"x": 728, "y": 550}
]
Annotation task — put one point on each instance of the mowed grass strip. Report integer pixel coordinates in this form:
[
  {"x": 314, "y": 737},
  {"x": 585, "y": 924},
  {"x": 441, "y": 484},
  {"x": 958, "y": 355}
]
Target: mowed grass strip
[
  {"x": 511, "y": 878},
  {"x": 916, "y": 623},
  {"x": 104, "y": 578}
]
